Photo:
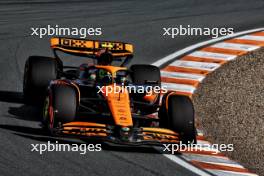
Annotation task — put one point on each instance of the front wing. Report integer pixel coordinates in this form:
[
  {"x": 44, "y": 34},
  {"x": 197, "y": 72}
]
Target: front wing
[{"x": 136, "y": 136}]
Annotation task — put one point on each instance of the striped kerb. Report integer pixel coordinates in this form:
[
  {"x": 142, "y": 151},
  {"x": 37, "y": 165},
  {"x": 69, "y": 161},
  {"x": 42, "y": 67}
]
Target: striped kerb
[{"x": 185, "y": 74}]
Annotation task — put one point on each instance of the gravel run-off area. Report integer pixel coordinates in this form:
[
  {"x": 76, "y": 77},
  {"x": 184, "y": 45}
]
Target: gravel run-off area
[{"x": 229, "y": 106}]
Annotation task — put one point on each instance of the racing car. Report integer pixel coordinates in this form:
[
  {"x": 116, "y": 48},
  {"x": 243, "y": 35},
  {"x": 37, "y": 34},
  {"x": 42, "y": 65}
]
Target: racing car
[{"x": 76, "y": 103}]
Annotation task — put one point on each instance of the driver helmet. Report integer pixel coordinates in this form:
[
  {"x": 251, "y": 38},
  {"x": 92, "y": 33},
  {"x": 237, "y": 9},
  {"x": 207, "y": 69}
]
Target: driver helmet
[
  {"x": 104, "y": 57},
  {"x": 87, "y": 72}
]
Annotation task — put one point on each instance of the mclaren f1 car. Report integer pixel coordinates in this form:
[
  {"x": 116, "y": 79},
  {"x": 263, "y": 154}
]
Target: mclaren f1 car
[{"x": 75, "y": 103}]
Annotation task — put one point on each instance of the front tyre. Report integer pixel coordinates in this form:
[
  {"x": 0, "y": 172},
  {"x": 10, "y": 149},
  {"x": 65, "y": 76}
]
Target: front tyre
[
  {"x": 60, "y": 106},
  {"x": 179, "y": 117},
  {"x": 38, "y": 73}
]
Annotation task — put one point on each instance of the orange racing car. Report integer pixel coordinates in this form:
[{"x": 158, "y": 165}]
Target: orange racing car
[{"x": 94, "y": 101}]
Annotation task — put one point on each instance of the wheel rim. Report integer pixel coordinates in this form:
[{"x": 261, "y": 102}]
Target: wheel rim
[
  {"x": 48, "y": 113},
  {"x": 51, "y": 113}
]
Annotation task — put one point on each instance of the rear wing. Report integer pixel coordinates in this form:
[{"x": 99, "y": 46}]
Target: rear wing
[{"x": 90, "y": 48}]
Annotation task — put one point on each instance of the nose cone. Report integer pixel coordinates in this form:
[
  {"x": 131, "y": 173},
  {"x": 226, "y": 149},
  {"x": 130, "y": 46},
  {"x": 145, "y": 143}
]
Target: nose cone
[{"x": 119, "y": 104}]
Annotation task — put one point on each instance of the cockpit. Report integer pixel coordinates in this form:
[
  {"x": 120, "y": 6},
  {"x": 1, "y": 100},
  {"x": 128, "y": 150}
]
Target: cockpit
[{"x": 103, "y": 74}]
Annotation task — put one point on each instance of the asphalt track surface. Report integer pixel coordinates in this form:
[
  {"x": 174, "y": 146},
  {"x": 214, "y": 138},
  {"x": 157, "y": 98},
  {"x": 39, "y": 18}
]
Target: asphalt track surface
[{"x": 138, "y": 22}]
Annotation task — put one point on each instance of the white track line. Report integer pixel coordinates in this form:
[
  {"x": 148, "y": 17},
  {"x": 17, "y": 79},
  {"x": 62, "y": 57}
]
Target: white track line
[
  {"x": 205, "y": 158},
  {"x": 235, "y": 46},
  {"x": 224, "y": 164},
  {"x": 178, "y": 87},
  {"x": 186, "y": 164},
  {"x": 178, "y": 53},
  {"x": 252, "y": 37},
  {"x": 230, "y": 173},
  {"x": 196, "y": 65},
  {"x": 180, "y": 75},
  {"x": 211, "y": 55}
]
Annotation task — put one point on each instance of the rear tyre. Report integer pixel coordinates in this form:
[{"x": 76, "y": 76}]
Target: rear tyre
[
  {"x": 141, "y": 74},
  {"x": 38, "y": 73},
  {"x": 60, "y": 106},
  {"x": 179, "y": 117}
]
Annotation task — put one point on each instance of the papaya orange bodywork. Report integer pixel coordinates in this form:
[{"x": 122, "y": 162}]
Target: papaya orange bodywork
[
  {"x": 119, "y": 105},
  {"x": 118, "y": 102}
]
